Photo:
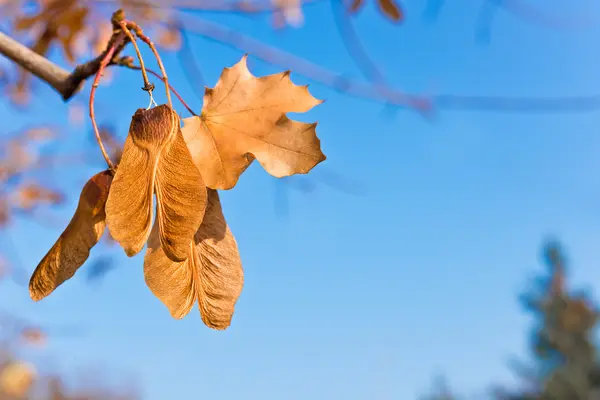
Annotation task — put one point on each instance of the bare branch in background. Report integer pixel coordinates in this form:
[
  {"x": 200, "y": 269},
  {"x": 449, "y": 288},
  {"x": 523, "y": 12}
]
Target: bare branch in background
[
  {"x": 385, "y": 94},
  {"x": 523, "y": 10},
  {"x": 65, "y": 83},
  {"x": 315, "y": 72},
  {"x": 191, "y": 66},
  {"x": 353, "y": 43},
  {"x": 534, "y": 14},
  {"x": 212, "y": 6}
]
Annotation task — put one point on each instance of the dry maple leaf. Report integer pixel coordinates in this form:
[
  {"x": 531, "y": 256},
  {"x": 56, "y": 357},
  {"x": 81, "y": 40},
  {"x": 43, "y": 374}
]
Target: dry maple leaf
[
  {"x": 211, "y": 276},
  {"x": 73, "y": 246},
  {"x": 243, "y": 118},
  {"x": 156, "y": 160}
]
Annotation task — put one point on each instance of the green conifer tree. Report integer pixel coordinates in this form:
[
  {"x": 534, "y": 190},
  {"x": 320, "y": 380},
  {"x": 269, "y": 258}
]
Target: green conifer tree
[{"x": 565, "y": 363}]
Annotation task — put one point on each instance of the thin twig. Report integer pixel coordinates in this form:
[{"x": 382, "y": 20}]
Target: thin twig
[
  {"x": 212, "y": 6},
  {"x": 157, "y": 75},
  {"x": 353, "y": 44},
  {"x": 140, "y": 33},
  {"x": 147, "y": 85},
  {"x": 105, "y": 61}
]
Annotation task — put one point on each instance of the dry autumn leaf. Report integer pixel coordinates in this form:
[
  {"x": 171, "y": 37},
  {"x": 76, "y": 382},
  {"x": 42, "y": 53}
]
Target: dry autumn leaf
[
  {"x": 243, "y": 118},
  {"x": 4, "y": 211},
  {"x": 33, "y": 336},
  {"x": 16, "y": 378},
  {"x": 356, "y": 5},
  {"x": 30, "y": 195},
  {"x": 390, "y": 9},
  {"x": 58, "y": 21},
  {"x": 103, "y": 32},
  {"x": 211, "y": 276},
  {"x": 73, "y": 246},
  {"x": 40, "y": 134},
  {"x": 76, "y": 113},
  {"x": 168, "y": 38},
  {"x": 156, "y": 160}
]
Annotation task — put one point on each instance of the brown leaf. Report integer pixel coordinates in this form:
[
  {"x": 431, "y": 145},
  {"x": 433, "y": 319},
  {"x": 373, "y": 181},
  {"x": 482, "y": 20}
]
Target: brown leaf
[
  {"x": 391, "y": 10},
  {"x": 356, "y": 5},
  {"x": 76, "y": 113},
  {"x": 33, "y": 336},
  {"x": 5, "y": 211},
  {"x": 73, "y": 246},
  {"x": 19, "y": 155},
  {"x": 40, "y": 134},
  {"x": 168, "y": 38},
  {"x": 243, "y": 118},
  {"x": 155, "y": 159},
  {"x": 212, "y": 275},
  {"x": 30, "y": 195},
  {"x": 16, "y": 378},
  {"x": 101, "y": 36},
  {"x": 72, "y": 25}
]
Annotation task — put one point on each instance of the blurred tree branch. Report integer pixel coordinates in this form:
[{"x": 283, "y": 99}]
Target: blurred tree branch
[
  {"x": 65, "y": 83},
  {"x": 38, "y": 65}
]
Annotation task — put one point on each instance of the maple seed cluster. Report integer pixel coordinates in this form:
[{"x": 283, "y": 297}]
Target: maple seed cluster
[{"x": 192, "y": 256}]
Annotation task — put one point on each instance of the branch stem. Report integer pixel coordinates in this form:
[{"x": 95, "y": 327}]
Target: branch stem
[
  {"x": 140, "y": 33},
  {"x": 66, "y": 83},
  {"x": 110, "y": 52},
  {"x": 147, "y": 85},
  {"x": 157, "y": 75},
  {"x": 38, "y": 65}
]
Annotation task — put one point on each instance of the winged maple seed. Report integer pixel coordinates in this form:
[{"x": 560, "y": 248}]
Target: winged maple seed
[
  {"x": 73, "y": 246},
  {"x": 243, "y": 117},
  {"x": 212, "y": 275},
  {"x": 192, "y": 256},
  {"x": 156, "y": 160}
]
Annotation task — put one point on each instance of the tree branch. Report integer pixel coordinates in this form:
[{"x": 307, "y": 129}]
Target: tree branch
[
  {"x": 65, "y": 83},
  {"x": 38, "y": 65}
]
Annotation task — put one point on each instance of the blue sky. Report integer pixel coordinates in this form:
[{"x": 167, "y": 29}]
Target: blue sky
[{"x": 368, "y": 295}]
